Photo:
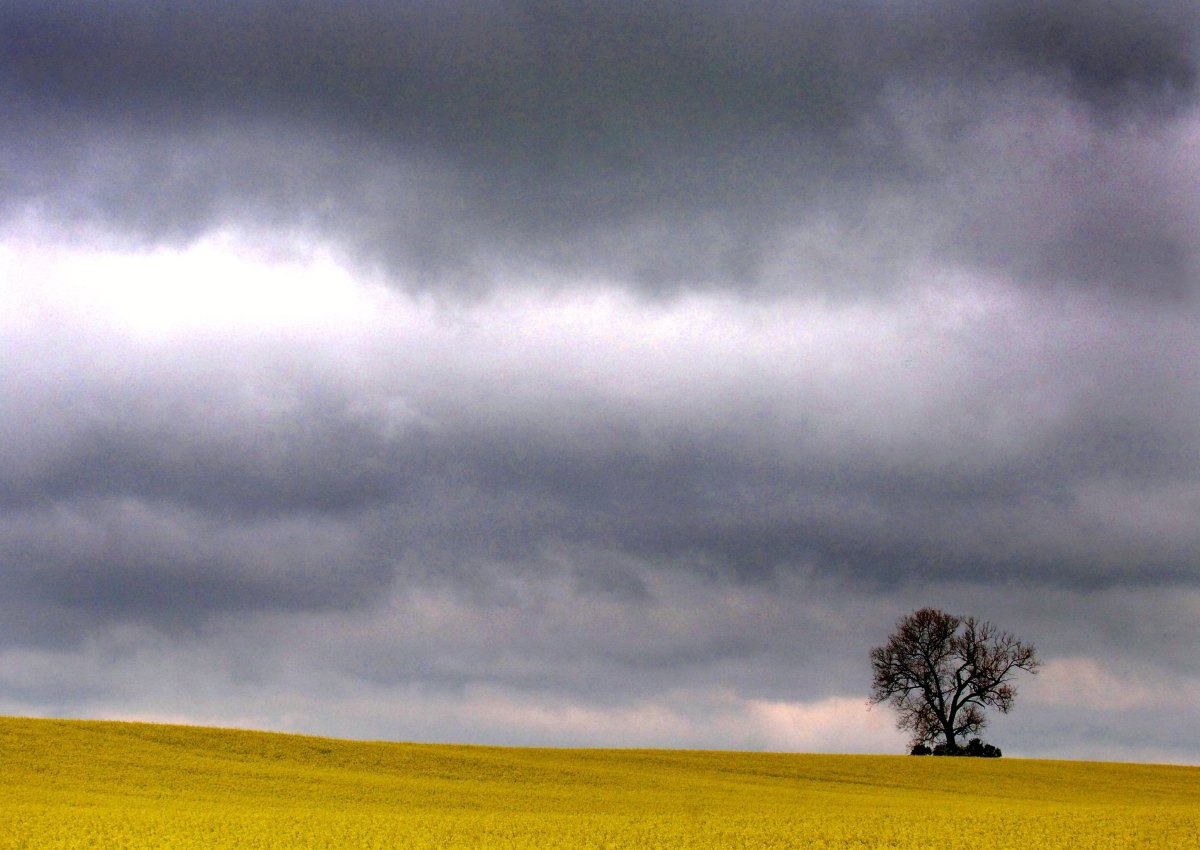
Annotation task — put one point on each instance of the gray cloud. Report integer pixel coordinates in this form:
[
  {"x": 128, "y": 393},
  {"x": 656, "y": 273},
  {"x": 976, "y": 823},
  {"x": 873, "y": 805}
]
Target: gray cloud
[
  {"x": 1010, "y": 451},
  {"x": 126, "y": 561},
  {"x": 670, "y": 148},
  {"x": 685, "y": 350}
]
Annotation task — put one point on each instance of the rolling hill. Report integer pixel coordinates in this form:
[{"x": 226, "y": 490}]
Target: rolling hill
[{"x": 73, "y": 784}]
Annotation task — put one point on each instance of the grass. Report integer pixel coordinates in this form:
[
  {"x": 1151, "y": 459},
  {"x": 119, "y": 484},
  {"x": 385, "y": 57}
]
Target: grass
[{"x": 79, "y": 784}]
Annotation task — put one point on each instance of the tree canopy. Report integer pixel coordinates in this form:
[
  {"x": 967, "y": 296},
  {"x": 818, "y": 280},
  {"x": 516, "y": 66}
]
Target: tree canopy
[{"x": 942, "y": 672}]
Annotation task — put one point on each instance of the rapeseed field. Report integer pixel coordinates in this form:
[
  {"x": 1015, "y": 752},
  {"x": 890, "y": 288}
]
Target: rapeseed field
[{"x": 83, "y": 784}]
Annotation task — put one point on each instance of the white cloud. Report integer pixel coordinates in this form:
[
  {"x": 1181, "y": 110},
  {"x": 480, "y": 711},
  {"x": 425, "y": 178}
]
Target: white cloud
[
  {"x": 219, "y": 287},
  {"x": 691, "y": 718},
  {"x": 1107, "y": 686},
  {"x": 837, "y": 724}
]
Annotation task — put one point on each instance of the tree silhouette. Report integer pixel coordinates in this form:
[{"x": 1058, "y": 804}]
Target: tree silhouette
[{"x": 941, "y": 673}]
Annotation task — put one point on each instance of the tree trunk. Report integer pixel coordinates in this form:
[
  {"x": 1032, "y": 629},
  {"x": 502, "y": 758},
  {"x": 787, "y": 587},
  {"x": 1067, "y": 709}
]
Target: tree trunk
[{"x": 948, "y": 731}]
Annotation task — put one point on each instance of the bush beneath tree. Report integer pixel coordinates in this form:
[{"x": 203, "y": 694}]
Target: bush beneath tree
[{"x": 974, "y": 748}]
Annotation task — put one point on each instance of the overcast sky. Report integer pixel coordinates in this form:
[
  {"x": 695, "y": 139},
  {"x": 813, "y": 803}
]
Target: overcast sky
[{"x": 598, "y": 373}]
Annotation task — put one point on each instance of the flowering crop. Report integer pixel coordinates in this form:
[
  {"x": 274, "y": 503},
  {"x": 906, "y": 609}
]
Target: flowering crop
[{"x": 80, "y": 784}]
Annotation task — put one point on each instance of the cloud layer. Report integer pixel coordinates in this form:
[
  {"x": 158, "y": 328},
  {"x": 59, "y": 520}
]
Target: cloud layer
[
  {"x": 597, "y": 373},
  {"x": 783, "y": 150}
]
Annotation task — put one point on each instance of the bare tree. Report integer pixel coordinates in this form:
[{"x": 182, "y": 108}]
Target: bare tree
[{"x": 941, "y": 672}]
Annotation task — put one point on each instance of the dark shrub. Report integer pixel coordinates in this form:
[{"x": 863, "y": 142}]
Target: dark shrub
[
  {"x": 920, "y": 750},
  {"x": 981, "y": 750},
  {"x": 974, "y": 747}
]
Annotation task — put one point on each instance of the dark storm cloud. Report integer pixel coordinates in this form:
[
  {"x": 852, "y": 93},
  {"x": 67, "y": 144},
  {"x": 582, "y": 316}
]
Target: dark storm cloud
[
  {"x": 562, "y": 497},
  {"x": 1113, "y": 54},
  {"x": 671, "y": 146},
  {"x": 182, "y": 492},
  {"x": 148, "y": 485},
  {"x": 88, "y": 564},
  {"x": 246, "y": 433},
  {"x": 321, "y": 459}
]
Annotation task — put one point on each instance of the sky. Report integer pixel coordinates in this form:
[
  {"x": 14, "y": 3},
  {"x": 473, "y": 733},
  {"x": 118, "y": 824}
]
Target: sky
[{"x": 599, "y": 373}]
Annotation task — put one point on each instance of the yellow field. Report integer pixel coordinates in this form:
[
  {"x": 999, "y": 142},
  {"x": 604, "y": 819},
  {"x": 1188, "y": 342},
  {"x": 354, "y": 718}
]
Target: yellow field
[{"x": 77, "y": 784}]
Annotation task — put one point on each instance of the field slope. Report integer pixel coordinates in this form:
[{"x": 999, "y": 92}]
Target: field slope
[{"x": 77, "y": 784}]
